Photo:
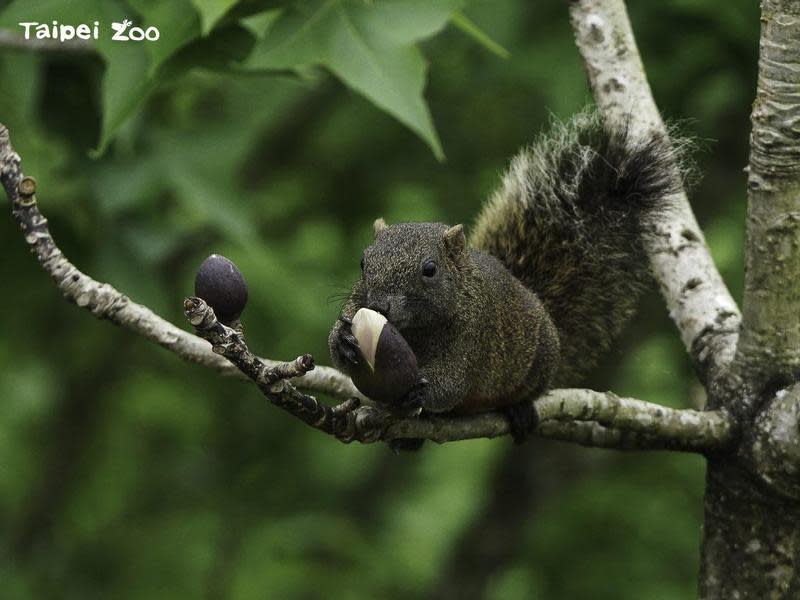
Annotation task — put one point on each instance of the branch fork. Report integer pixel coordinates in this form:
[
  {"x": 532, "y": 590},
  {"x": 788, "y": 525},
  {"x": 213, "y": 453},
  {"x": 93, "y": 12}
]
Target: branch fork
[{"x": 341, "y": 420}]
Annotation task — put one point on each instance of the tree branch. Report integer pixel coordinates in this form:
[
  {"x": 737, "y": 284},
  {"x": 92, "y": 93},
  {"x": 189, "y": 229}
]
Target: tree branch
[
  {"x": 770, "y": 340},
  {"x": 105, "y": 302},
  {"x": 12, "y": 41},
  {"x": 583, "y": 416},
  {"x": 698, "y": 301}
]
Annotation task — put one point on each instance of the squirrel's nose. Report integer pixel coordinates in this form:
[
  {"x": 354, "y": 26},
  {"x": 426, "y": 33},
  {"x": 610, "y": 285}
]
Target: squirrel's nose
[{"x": 382, "y": 305}]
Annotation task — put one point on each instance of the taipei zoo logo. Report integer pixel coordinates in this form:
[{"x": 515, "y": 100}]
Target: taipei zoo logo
[{"x": 62, "y": 32}]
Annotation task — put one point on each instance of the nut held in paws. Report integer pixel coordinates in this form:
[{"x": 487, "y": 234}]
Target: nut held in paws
[
  {"x": 391, "y": 366},
  {"x": 220, "y": 283}
]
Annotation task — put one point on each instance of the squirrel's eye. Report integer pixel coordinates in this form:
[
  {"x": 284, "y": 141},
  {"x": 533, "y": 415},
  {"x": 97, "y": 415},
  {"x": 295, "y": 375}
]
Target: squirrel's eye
[
  {"x": 429, "y": 268},
  {"x": 362, "y": 263}
]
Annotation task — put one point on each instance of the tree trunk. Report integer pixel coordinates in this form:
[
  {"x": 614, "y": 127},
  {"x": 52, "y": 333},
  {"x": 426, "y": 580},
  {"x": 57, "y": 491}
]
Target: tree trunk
[
  {"x": 752, "y": 538},
  {"x": 751, "y": 547}
]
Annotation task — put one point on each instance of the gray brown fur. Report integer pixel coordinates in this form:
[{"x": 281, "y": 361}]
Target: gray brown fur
[
  {"x": 569, "y": 221},
  {"x": 476, "y": 330},
  {"x": 554, "y": 271}
]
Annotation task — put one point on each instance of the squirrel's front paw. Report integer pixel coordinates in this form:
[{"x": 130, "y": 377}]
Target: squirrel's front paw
[
  {"x": 345, "y": 351},
  {"x": 523, "y": 419},
  {"x": 411, "y": 404}
]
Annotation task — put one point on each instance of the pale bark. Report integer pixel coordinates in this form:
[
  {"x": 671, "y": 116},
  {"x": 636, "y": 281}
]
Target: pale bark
[
  {"x": 770, "y": 340},
  {"x": 11, "y": 40},
  {"x": 697, "y": 299},
  {"x": 590, "y": 418},
  {"x": 751, "y": 545}
]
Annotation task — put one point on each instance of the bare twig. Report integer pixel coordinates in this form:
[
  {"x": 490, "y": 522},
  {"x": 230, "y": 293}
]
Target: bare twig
[
  {"x": 698, "y": 301},
  {"x": 271, "y": 380}
]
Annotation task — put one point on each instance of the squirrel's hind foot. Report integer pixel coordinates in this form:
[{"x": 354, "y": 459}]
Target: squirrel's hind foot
[
  {"x": 410, "y": 406},
  {"x": 399, "y": 445},
  {"x": 523, "y": 418}
]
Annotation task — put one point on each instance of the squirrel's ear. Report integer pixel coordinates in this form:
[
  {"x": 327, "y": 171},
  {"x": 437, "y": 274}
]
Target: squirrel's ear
[
  {"x": 378, "y": 226},
  {"x": 455, "y": 241}
]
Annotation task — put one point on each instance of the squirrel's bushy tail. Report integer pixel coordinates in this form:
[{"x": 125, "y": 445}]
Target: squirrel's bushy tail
[{"x": 569, "y": 221}]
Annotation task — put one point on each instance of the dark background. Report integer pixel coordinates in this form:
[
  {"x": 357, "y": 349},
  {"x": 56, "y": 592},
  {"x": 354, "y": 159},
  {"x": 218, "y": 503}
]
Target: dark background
[{"x": 125, "y": 473}]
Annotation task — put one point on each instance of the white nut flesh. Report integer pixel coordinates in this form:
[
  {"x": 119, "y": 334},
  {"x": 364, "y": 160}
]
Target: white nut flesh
[{"x": 367, "y": 328}]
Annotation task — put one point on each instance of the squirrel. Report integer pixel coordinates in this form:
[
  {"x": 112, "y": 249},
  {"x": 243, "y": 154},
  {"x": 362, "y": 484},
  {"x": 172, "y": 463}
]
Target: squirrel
[{"x": 553, "y": 269}]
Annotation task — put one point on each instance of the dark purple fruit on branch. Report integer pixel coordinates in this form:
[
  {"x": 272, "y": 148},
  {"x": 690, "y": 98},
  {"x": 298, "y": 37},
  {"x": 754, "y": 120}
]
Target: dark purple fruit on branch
[{"x": 220, "y": 283}]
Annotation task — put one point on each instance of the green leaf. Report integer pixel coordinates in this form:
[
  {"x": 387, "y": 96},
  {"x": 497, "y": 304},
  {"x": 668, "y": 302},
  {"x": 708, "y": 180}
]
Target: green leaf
[
  {"x": 22, "y": 74},
  {"x": 124, "y": 88},
  {"x": 467, "y": 26},
  {"x": 211, "y": 11},
  {"x": 132, "y": 67},
  {"x": 125, "y": 82},
  {"x": 177, "y": 22},
  {"x": 370, "y": 46},
  {"x": 260, "y": 24}
]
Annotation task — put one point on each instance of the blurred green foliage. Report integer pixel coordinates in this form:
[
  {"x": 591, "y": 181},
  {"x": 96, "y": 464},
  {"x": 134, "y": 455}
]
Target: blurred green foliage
[{"x": 125, "y": 473}]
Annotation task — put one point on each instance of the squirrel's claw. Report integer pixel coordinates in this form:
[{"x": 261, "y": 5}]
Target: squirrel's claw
[
  {"x": 411, "y": 404},
  {"x": 523, "y": 418},
  {"x": 351, "y": 347},
  {"x": 348, "y": 356},
  {"x": 350, "y": 340},
  {"x": 344, "y": 346}
]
